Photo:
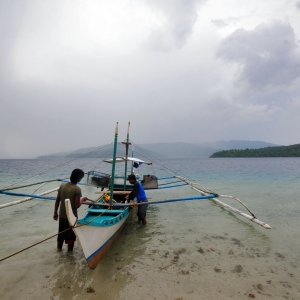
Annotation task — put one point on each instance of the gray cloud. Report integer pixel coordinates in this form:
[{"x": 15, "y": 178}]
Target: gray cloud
[
  {"x": 10, "y": 20},
  {"x": 180, "y": 17},
  {"x": 70, "y": 71},
  {"x": 219, "y": 23},
  {"x": 267, "y": 56},
  {"x": 298, "y": 5}
]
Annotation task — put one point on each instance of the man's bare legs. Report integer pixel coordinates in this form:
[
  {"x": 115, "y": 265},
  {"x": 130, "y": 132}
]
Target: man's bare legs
[
  {"x": 59, "y": 245},
  {"x": 70, "y": 247}
]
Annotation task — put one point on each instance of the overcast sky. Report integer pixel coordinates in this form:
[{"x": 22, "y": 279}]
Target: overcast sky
[{"x": 179, "y": 70}]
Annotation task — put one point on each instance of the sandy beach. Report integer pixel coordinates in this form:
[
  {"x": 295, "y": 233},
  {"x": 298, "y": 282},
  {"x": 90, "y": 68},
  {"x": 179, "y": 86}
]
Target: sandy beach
[{"x": 162, "y": 261}]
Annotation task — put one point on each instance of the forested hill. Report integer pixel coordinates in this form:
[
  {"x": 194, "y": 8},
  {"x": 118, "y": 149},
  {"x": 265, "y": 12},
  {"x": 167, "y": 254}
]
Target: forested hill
[
  {"x": 163, "y": 150},
  {"x": 280, "y": 151}
]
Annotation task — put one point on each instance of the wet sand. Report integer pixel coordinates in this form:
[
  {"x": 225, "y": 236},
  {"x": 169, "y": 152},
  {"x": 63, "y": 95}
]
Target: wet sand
[
  {"x": 208, "y": 258},
  {"x": 188, "y": 250}
]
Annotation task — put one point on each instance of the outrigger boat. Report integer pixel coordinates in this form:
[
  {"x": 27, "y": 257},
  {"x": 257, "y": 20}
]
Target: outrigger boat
[
  {"x": 108, "y": 212},
  {"x": 102, "y": 224}
]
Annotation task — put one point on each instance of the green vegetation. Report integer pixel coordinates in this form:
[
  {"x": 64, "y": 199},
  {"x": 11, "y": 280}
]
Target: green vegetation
[{"x": 281, "y": 151}]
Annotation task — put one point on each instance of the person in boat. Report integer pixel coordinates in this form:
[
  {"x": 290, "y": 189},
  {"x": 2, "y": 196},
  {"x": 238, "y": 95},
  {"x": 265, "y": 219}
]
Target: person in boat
[
  {"x": 138, "y": 192},
  {"x": 68, "y": 190}
]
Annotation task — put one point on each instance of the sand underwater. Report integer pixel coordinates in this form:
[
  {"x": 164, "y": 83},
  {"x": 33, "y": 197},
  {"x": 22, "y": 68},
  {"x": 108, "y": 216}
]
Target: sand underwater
[{"x": 188, "y": 250}]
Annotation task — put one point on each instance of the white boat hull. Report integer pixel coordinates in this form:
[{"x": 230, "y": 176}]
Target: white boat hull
[{"x": 95, "y": 241}]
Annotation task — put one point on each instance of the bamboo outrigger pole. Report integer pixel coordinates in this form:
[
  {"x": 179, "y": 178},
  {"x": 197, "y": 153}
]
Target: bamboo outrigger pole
[
  {"x": 249, "y": 217},
  {"x": 28, "y": 198}
]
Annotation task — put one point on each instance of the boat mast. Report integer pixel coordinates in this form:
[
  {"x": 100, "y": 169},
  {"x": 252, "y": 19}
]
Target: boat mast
[
  {"x": 127, "y": 143},
  {"x": 113, "y": 166},
  {"x": 132, "y": 152}
]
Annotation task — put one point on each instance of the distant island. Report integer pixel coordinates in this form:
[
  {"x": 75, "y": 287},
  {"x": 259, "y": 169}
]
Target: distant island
[
  {"x": 279, "y": 151},
  {"x": 163, "y": 150}
]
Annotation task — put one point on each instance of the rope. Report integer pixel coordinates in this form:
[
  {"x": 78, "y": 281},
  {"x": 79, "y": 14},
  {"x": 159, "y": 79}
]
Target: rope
[
  {"x": 203, "y": 188},
  {"x": 34, "y": 244},
  {"x": 71, "y": 227},
  {"x": 153, "y": 157},
  {"x": 60, "y": 165},
  {"x": 31, "y": 184}
]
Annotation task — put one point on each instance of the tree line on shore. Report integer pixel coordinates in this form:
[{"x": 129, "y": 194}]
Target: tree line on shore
[{"x": 279, "y": 151}]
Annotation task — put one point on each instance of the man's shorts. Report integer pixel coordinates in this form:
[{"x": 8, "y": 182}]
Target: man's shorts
[
  {"x": 142, "y": 210},
  {"x": 68, "y": 236}
]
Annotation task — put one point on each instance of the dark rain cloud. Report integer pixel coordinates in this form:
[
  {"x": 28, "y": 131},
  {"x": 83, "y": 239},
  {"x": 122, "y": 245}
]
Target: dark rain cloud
[{"x": 267, "y": 56}]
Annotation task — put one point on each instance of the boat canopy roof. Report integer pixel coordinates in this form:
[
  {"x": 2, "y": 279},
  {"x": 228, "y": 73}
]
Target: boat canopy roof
[{"x": 123, "y": 159}]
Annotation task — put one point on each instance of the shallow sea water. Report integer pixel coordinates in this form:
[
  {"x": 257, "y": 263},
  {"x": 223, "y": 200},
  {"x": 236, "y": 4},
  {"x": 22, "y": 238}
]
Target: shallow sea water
[{"x": 188, "y": 250}]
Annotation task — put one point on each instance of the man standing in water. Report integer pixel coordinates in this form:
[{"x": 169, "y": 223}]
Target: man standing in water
[
  {"x": 138, "y": 193},
  {"x": 68, "y": 190}
]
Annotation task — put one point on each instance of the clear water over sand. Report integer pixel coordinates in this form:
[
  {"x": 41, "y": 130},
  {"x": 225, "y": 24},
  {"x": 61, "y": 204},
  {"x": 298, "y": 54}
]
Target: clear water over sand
[{"x": 188, "y": 250}]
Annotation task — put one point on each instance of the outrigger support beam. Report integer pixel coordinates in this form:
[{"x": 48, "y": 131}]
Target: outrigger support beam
[
  {"x": 251, "y": 218},
  {"x": 154, "y": 202},
  {"x": 29, "y": 197}
]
